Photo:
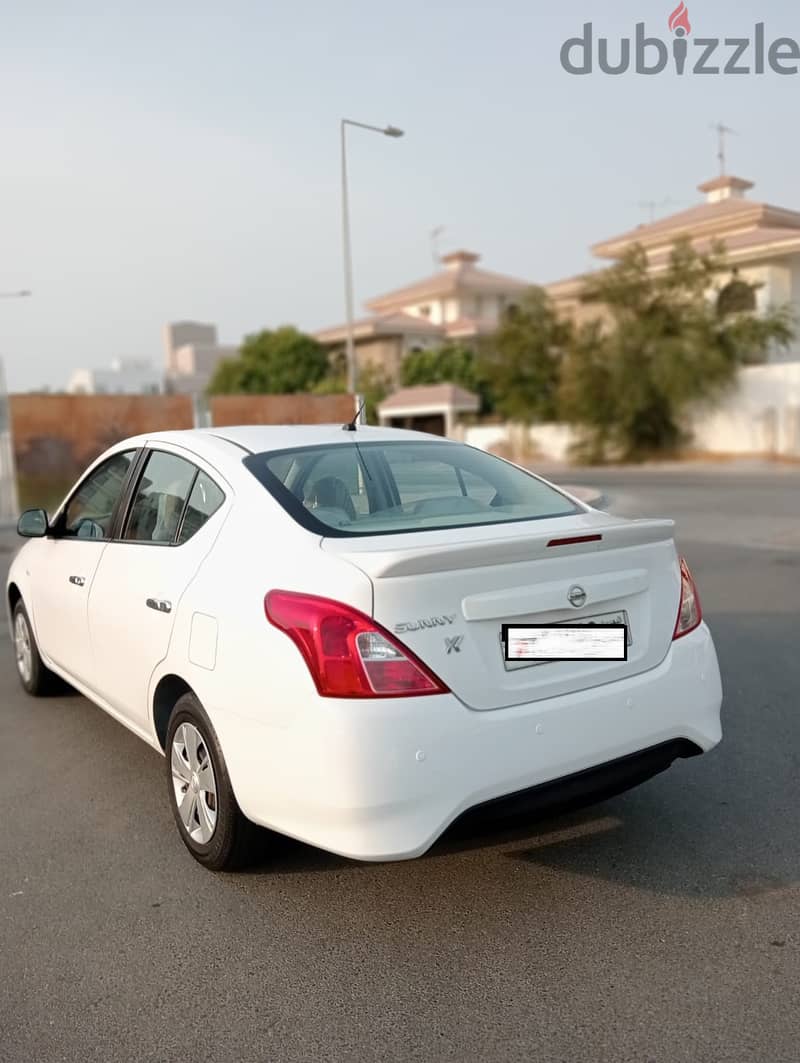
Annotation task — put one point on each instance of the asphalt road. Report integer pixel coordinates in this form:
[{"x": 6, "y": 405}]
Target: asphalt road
[{"x": 663, "y": 925}]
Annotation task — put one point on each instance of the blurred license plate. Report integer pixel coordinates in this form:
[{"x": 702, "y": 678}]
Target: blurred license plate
[{"x": 605, "y": 619}]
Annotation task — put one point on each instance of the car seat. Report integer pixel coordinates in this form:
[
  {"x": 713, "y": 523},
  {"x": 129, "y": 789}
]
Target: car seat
[
  {"x": 330, "y": 492},
  {"x": 168, "y": 515}
]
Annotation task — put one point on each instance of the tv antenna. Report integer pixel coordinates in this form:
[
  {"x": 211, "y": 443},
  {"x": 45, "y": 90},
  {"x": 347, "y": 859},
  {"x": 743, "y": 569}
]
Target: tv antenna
[
  {"x": 434, "y": 237},
  {"x": 722, "y": 131},
  {"x": 652, "y": 205}
]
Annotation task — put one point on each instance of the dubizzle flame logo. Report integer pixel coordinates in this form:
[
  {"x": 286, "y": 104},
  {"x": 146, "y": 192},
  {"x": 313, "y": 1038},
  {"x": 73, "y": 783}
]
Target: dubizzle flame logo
[{"x": 679, "y": 20}]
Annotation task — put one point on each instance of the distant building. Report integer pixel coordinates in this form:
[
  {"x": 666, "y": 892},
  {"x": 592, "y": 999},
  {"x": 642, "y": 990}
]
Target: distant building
[
  {"x": 434, "y": 408},
  {"x": 125, "y": 376},
  {"x": 192, "y": 354},
  {"x": 179, "y": 334},
  {"x": 456, "y": 304},
  {"x": 762, "y": 245}
]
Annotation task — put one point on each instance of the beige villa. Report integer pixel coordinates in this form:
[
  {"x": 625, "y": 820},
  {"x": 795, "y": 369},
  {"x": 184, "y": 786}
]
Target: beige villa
[
  {"x": 463, "y": 301},
  {"x": 762, "y": 244},
  {"x": 457, "y": 304}
]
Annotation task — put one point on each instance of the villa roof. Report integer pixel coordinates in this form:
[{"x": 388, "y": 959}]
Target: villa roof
[
  {"x": 749, "y": 231},
  {"x": 724, "y": 218},
  {"x": 461, "y": 275},
  {"x": 433, "y": 395},
  {"x": 738, "y": 246},
  {"x": 749, "y": 244},
  {"x": 381, "y": 325}
]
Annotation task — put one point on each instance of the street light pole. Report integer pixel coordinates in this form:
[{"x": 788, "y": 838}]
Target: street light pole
[{"x": 352, "y": 368}]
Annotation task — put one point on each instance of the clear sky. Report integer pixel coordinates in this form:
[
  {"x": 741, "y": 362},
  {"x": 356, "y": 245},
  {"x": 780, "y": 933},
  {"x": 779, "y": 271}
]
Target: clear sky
[{"x": 180, "y": 159}]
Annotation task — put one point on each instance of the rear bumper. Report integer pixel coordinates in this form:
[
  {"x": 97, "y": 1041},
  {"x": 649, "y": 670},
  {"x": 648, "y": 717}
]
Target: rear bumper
[
  {"x": 382, "y": 780},
  {"x": 593, "y": 784}
]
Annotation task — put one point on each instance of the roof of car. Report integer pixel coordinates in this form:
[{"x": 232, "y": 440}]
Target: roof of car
[
  {"x": 276, "y": 437},
  {"x": 257, "y": 438}
]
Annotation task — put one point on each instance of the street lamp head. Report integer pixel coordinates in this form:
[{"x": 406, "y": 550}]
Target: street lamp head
[{"x": 393, "y": 131}]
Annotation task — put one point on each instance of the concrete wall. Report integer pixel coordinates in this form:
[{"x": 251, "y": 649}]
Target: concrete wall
[
  {"x": 516, "y": 441},
  {"x": 484, "y": 437},
  {"x": 551, "y": 441},
  {"x": 280, "y": 409},
  {"x": 761, "y": 417},
  {"x": 56, "y": 436},
  {"x": 9, "y": 506}
]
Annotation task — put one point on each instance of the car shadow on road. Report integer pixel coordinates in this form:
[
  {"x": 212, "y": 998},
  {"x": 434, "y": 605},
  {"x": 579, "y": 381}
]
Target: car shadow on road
[{"x": 669, "y": 837}]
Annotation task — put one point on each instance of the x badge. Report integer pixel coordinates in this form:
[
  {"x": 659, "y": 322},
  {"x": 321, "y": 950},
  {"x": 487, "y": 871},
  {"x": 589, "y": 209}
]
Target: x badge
[{"x": 454, "y": 644}]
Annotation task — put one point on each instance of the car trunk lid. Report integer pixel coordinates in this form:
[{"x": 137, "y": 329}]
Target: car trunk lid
[{"x": 446, "y": 595}]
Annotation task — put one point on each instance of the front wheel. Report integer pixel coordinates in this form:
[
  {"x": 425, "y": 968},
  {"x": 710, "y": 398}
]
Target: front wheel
[
  {"x": 35, "y": 676},
  {"x": 209, "y": 820}
]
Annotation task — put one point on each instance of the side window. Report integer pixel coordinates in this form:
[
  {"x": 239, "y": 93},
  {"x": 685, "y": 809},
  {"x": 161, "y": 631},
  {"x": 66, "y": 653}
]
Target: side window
[
  {"x": 204, "y": 501},
  {"x": 160, "y": 498},
  {"x": 88, "y": 513}
]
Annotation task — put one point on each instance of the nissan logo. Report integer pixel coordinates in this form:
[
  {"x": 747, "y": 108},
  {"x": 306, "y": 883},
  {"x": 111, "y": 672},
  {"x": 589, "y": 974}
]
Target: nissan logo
[{"x": 577, "y": 596}]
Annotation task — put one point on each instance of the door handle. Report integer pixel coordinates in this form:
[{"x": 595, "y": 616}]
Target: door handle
[
  {"x": 78, "y": 581},
  {"x": 159, "y": 605}
]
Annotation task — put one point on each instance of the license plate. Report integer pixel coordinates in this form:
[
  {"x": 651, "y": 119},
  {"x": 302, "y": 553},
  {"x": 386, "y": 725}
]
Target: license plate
[{"x": 620, "y": 617}]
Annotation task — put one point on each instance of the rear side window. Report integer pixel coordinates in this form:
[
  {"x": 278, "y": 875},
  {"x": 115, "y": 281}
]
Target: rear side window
[
  {"x": 161, "y": 495},
  {"x": 387, "y": 488},
  {"x": 204, "y": 501}
]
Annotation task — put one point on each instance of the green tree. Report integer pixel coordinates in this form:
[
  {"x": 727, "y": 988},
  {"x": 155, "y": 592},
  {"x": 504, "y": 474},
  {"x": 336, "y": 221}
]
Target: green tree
[
  {"x": 520, "y": 364},
  {"x": 273, "y": 362},
  {"x": 627, "y": 382},
  {"x": 452, "y": 363},
  {"x": 373, "y": 385}
]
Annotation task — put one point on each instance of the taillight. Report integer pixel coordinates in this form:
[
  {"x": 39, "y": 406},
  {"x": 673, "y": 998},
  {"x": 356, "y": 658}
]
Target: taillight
[
  {"x": 348, "y": 654},
  {"x": 690, "y": 614}
]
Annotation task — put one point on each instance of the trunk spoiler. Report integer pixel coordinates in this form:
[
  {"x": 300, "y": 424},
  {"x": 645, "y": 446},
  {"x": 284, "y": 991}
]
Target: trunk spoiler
[{"x": 381, "y": 561}]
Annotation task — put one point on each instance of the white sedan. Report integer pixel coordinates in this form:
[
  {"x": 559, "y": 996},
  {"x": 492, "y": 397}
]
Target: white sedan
[{"x": 311, "y": 624}]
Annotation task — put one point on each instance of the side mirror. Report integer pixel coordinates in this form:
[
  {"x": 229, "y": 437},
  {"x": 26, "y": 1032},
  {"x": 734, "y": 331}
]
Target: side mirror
[{"x": 33, "y": 524}]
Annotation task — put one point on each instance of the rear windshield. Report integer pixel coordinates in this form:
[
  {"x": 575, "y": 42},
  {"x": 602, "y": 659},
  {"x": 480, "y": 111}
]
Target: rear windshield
[{"x": 353, "y": 488}]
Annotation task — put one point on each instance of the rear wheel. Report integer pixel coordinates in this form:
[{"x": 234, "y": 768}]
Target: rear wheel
[
  {"x": 209, "y": 820},
  {"x": 35, "y": 676}
]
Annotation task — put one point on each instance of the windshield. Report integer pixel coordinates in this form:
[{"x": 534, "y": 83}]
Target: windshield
[{"x": 356, "y": 488}]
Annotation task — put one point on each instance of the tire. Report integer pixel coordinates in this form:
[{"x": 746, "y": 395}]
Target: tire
[
  {"x": 35, "y": 677},
  {"x": 209, "y": 820}
]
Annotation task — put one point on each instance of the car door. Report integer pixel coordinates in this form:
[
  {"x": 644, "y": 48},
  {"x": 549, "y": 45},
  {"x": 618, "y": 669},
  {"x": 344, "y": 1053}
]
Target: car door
[
  {"x": 143, "y": 574},
  {"x": 65, "y": 565}
]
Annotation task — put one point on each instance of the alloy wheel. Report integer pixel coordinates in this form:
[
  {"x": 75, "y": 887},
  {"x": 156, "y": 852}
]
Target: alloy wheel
[
  {"x": 194, "y": 783},
  {"x": 23, "y": 648}
]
